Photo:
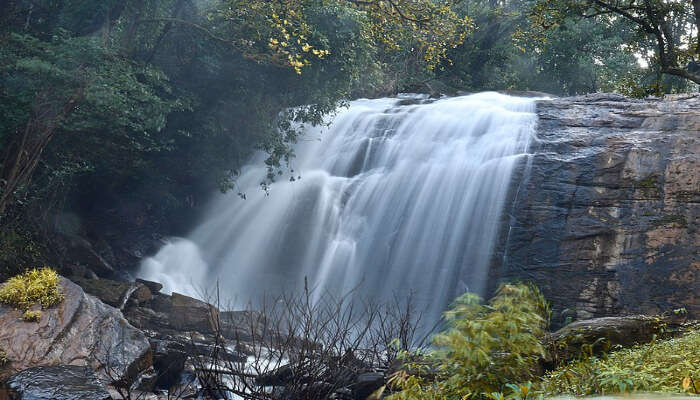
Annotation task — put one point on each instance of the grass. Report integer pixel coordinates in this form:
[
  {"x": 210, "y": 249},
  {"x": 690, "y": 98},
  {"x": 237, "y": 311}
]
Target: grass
[
  {"x": 671, "y": 366},
  {"x": 36, "y": 286}
]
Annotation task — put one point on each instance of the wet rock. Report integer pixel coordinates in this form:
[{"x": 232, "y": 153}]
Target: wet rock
[
  {"x": 169, "y": 359},
  {"x": 116, "y": 293},
  {"x": 81, "y": 251},
  {"x": 82, "y": 331},
  {"x": 60, "y": 382},
  {"x": 147, "y": 381},
  {"x": 280, "y": 376},
  {"x": 366, "y": 384},
  {"x": 188, "y": 313},
  {"x": 155, "y": 287},
  {"x": 604, "y": 219},
  {"x": 147, "y": 319},
  {"x": 161, "y": 303},
  {"x": 242, "y": 325}
]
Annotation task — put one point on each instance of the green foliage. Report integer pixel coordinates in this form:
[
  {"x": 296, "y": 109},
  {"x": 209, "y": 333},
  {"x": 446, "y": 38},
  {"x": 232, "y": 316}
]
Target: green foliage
[
  {"x": 17, "y": 247},
  {"x": 485, "y": 348},
  {"x": 663, "y": 366},
  {"x": 665, "y": 35},
  {"x": 282, "y": 33},
  {"x": 3, "y": 357},
  {"x": 36, "y": 286},
  {"x": 504, "y": 52}
]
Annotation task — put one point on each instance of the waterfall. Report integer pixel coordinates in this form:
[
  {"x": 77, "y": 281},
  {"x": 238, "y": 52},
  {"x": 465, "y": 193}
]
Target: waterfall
[{"x": 396, "y": 196}]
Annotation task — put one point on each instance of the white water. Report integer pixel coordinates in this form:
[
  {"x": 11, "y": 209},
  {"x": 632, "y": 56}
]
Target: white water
[{"x": 399, "y": 198}]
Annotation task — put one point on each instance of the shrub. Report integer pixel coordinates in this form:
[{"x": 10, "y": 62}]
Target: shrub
[
  {"x": 485, "y": 348},
  {"x": 32, "y": 287},
  {"x": 3, "y": 357},
  {"x": 671, "y": 365}
]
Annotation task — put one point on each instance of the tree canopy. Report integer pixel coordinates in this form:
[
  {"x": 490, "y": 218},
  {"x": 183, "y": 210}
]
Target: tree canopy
[
  {"x": 121, "y": 105},
  {"x": 667, "y": 31}
]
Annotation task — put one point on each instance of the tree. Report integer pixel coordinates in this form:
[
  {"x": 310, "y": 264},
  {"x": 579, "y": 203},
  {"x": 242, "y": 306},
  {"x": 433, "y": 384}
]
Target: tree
[
  {"x": 281, "y": 32},
  {"x": 668, "y": 29}
]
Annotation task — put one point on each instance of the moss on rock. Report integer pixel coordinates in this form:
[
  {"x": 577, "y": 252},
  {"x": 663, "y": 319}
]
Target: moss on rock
[{"x": 36, "y": 286}]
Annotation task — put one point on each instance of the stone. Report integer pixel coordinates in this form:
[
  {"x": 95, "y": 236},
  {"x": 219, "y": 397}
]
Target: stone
[
  {"x": 279, "y": 376},
  {"x": 169, "y": 359},
  {"x": 242, "y": 326},
  {"x": 145, "y": 318},
  {"x": 80, "y": 331},
  {"x": 188, "y": 313},
  {"x": 366, "y": 384},
  {"x": 82, "y": 252},
  {"x": 599, "y": 335},
  {"x": 604, "y": 216},
  {"x": 116, "y": 293},
  {"x": 59, "y": 382},
  {"x": 155, "y": 287}
]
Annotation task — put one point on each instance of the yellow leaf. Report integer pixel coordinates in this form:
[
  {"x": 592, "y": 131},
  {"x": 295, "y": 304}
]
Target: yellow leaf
[{"x": 686, "y": 383}]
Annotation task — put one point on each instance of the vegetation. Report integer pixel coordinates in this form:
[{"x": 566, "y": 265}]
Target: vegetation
[
  {"x": 36, "y": 286},
  {"x": 485, "y": 348},
  {"x": 671, "y": 365},
  {"x": 666, "y": 32},
  {"x": 492, "y": 351},
  {"x": 128, "y": 114}
]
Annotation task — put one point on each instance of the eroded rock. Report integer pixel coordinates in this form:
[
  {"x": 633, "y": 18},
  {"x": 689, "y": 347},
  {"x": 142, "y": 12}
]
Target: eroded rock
[
  {"x": 59, "y": 382},
  {"x": 188, "y": 313},
  {"x": 604, "y": 219},
  {"x": 79, "y": 331},
  {"x": 116, "y": 293}
]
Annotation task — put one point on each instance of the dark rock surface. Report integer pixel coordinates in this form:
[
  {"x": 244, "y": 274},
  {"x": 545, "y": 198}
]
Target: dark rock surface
[
  {"x": 81, "y": 331},
  {"x": 60, "y": 382},
  {"x": 115, "y": 293},
  {"x": 155, "y": 287},
  {"x": 599, "y": 335},
  {"x": 605, "y": 219},
  {"x": 188, "y": 313}
]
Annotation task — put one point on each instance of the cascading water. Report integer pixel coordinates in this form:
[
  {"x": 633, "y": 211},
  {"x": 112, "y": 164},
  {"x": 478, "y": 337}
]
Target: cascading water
[{"x": 392, "y": 198}]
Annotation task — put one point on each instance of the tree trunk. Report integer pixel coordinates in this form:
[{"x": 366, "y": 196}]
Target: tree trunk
[
  {"x": 696, "y": 8},
  {"x": 23, "y": 153}
]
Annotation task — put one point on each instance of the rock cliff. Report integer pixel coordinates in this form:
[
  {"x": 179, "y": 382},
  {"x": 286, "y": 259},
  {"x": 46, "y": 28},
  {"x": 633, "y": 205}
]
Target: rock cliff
[{"x": 604, "y": 217}]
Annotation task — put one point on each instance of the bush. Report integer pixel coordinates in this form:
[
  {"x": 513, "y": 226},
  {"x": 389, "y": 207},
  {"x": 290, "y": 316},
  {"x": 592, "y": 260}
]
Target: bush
[
  {"x": 32, "y": 287},
  {"x": 485, "y": 348},
  {"x": 663, "y": 366}
]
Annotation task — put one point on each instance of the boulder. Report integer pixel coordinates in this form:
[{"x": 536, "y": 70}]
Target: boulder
[
  {"x": 366, "y": 384},
  {"x": 116, "y": 293},
  {"x": 190, "y": 314},
  {"x": 59, "y": 382},
  {"x": 598, "y": 335},
  {"x": 155, "y": 287},
  {"x": 279, "y": 376},
  {"x": 147, "y": 319},
  {"x": 79, "y": 331},
  {"x": 244, "y": 326},
  {"x": 169, "y": 359},
  {"x": 82, "y": 252}
]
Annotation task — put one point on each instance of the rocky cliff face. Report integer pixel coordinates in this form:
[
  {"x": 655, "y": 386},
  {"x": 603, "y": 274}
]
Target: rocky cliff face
[{"x": 605, "y": 218}]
